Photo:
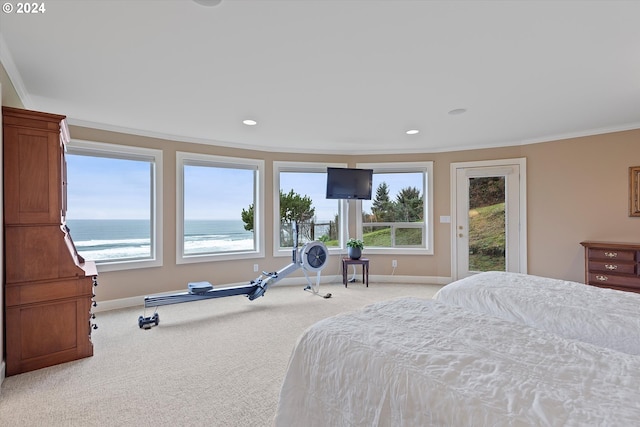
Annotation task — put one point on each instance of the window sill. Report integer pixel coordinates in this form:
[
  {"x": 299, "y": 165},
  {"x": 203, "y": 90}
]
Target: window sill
[{"x": 105, "y": 266}]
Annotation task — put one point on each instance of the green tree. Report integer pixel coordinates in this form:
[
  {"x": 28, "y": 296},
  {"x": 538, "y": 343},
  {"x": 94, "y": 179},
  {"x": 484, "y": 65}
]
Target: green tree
[
  {"x": 298, "y": 209},
  {"x": 293, "y": 207},
  {"x": 409, "y": 205},
  {"x": 247, "y": 218},
  {"x": 382, "y": 207}
]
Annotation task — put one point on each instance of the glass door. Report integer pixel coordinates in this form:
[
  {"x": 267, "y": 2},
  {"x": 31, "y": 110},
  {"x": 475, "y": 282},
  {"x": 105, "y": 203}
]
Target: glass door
[{"x": 487, "y": 219}]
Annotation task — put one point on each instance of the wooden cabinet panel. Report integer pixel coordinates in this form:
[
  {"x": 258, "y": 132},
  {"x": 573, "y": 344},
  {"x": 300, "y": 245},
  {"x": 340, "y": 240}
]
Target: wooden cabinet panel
[
  {"x": 612, "y": 265},
  {"x": 38, "y": 253},
  {"x": 47, "y": 334},
  {"x": 32, "y": 176},
  {"x": 39, "y": 292}
]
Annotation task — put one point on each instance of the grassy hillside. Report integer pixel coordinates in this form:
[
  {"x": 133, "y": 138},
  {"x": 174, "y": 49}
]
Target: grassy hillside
[{"x": 487, "y": 238}]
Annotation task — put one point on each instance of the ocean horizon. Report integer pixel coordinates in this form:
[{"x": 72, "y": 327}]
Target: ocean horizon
[{"x": 107, "y": 239}]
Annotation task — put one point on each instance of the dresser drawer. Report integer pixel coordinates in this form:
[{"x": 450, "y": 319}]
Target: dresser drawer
[
  {"x": 613, "y": 266},
  {"x": 604, "y": 279},
  {"x": 612, "y": 254}
]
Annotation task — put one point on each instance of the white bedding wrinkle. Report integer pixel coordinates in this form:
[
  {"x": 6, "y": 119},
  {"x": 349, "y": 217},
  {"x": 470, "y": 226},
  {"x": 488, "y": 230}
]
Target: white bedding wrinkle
[
  {"x": 414, "y": 362},
  {"x": 604, "y": 317}
]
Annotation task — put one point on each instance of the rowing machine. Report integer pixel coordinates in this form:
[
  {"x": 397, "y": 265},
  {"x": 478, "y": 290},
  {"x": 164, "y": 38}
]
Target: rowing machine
[{"x": 311, "y": 257}]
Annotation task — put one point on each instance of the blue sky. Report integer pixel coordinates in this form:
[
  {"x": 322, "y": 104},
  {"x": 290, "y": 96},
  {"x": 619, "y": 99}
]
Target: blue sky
[
  {"x": 217, "y": 193},
  {"x": 101, "y": 188},
  {"x": 313, "y": 185},
  {"x": 105, "y": 188}
]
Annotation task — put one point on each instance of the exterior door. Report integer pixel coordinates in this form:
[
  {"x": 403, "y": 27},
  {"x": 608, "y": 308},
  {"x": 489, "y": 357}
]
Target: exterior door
[{"x": 489, "y": 228}]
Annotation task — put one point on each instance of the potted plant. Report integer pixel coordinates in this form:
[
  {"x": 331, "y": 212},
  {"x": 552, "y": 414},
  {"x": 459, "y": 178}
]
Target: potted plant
[{"x": 354, "y": 248}]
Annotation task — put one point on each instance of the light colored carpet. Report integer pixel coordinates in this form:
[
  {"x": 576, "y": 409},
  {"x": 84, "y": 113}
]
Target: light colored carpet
[{"x": 217, "y": 362}]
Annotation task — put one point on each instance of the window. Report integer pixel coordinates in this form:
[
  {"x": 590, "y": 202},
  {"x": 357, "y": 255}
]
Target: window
[
  {"x": 114, "y": 204},
  {"x": 219, "y": 208},
  {"x": 301, "y": 197},
  {"x": 399, "y": 216}
]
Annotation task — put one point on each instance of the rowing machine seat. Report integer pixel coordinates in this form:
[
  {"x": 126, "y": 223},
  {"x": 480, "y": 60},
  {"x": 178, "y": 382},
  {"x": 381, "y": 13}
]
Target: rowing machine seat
[{"x": 199, "y": 287}]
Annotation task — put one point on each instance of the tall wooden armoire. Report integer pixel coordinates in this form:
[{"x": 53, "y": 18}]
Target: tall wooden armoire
[{"x": 48, "y": 287}]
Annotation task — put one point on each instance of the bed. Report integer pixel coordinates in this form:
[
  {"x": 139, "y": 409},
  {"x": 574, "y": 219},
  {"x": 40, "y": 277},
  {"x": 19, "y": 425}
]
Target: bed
[
  {"x": 605, "y": 317},
  {"x": 418, "y": 362}
]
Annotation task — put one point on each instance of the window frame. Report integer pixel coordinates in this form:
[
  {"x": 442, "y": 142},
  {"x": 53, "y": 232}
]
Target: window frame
[
  {"x": 304, "y": 167},
  {"x": 209, "y": 160},
  {"x": 425, "y": 167},
  {"x": 128, "y": 152}
]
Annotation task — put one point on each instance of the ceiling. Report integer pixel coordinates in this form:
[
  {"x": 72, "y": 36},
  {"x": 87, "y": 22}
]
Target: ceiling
[{"x": 330, "y": 76}]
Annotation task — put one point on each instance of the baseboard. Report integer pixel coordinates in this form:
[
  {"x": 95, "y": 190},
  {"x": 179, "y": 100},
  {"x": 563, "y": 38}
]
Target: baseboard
[
  {"x": 3, "y": 372},
  {"x": 420, "y": 280}
]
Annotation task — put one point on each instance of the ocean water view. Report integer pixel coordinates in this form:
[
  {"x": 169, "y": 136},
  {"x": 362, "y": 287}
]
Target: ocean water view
[{"x": 101, "y": 240}]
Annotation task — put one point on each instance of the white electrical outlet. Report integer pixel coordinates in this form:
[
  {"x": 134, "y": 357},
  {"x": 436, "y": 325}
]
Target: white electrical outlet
[
  {"x": 394, "y": 263},
  {"x": 255, "y": 267}
]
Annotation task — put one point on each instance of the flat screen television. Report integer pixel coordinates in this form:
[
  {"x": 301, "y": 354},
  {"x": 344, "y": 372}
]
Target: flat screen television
[{"x": 349, "y": 183}]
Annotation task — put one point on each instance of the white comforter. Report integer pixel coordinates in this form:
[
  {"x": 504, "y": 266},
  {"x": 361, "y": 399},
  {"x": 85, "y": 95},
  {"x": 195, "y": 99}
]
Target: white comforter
[
  {"x": 604, "y": 317},
  {"x": 413, "y": 362}
]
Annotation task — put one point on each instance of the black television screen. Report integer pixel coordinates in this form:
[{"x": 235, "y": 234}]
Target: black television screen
[{"x": 346, "y": 183}]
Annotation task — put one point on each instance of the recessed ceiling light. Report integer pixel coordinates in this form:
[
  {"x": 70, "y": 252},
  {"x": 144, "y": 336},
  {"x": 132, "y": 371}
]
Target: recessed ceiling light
[
  {"x": 208, "y": 2},
  {"x": 412, "y": 132},
  {"x": 458, "y": 111},
  {"x": 250, "y": 122}
]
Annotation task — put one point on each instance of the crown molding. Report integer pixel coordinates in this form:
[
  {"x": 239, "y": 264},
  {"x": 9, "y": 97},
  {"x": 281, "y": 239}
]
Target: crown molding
[{"x": 14, "y": 76}]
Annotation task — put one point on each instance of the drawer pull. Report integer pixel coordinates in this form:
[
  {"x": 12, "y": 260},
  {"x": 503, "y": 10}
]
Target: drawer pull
[
  {"x": 601, "y": 278},
  {"x": 611, "y": 254},
  {"x": 611, "y": 266}
]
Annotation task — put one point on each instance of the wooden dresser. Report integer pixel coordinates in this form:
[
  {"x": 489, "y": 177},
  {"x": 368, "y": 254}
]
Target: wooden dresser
[
  {"x": 612, "y": 265},
  {"x": 48, "y": 287}
]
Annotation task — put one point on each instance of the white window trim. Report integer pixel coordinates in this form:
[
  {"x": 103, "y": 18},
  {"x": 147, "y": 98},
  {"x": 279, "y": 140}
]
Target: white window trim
[
  {"x": 116, "y": 151},
  {"x": 391, "y": 167},
  {"x": 196, "y": 159},
  {"x": 285, "y": 166}
]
